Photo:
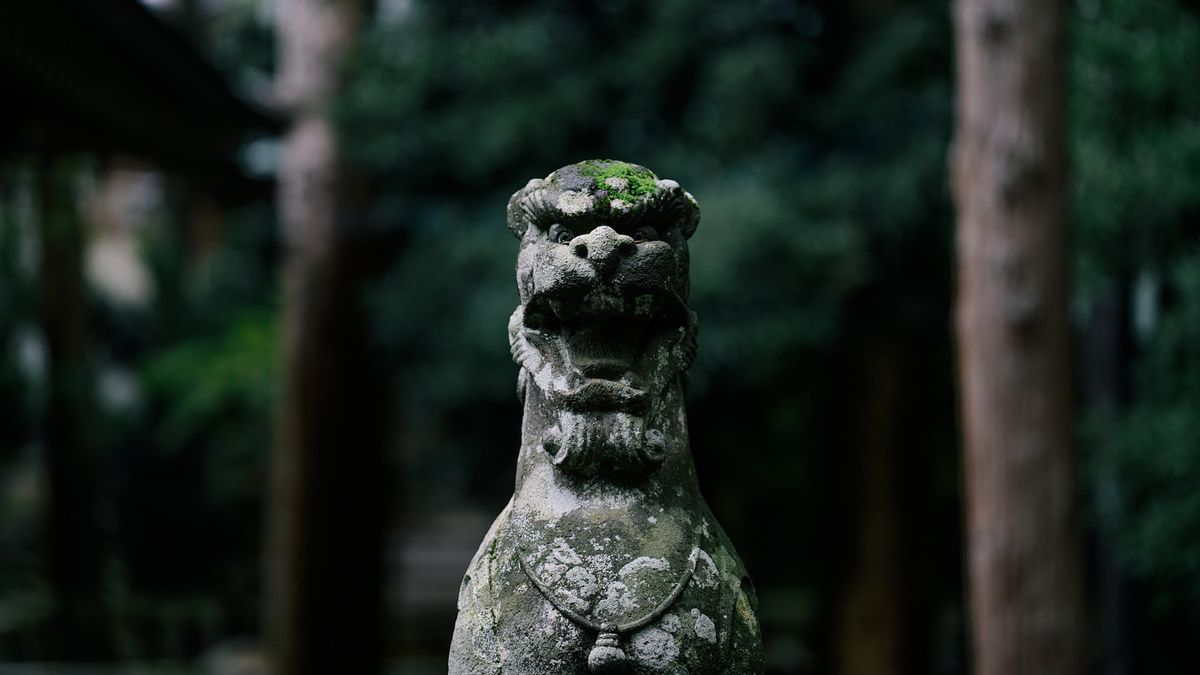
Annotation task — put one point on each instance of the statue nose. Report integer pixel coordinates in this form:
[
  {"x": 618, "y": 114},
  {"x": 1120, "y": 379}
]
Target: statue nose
[{"x": 603, "y": 246}]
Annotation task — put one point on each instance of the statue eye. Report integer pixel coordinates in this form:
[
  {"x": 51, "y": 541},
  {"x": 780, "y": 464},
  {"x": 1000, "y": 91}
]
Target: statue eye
[
  {"x": 645, "y": 233},
  {"x": 560, "y": 234}
]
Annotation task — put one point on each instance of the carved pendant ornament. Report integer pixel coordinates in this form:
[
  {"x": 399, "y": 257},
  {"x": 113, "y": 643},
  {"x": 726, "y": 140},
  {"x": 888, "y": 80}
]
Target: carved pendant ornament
[
  {"x": 606, "y": 655},
  {"x": 607, "y": 559}
]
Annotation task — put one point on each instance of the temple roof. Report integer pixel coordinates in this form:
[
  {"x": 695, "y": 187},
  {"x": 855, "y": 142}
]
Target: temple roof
[{"x": 109, "y": 76}]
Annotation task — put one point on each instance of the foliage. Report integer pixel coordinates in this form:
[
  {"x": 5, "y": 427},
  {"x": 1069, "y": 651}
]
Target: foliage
[
  {"x": 448, "y": 107},
  {"x": 208, "y": 380},
  {"x": 202, "y": 465},
  {"x": 1137, "y": 158},
  {"x": 195, "y": 452},
  {"x": 1155, "y": 449},
  {"x": 1136, "y": 132}
]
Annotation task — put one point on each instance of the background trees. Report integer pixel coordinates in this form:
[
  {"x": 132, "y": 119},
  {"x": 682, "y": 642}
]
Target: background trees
[{"x": 815, "y": 135}]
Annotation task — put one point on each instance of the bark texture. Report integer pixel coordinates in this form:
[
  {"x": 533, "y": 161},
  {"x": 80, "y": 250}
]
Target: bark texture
[
  {"x": 324, "y": 561},
  {"x": 1013, "y": 339}
]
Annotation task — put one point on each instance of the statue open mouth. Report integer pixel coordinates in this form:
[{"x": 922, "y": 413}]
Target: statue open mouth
[{"x": 609, "y": 342}]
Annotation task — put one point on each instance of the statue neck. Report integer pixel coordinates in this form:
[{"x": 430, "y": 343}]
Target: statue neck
[{"x": 574, "y": 457}]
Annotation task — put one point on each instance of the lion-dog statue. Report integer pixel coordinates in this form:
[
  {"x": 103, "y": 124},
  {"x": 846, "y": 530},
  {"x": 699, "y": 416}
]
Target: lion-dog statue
[{"x": 607, "y": 559}]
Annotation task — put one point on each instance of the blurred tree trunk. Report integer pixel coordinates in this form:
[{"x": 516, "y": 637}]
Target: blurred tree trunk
[
  {"x": 325, "y": 557},
  {"x": 1107, "y": 345},
  {"x": 205, "y": 224},
  {"x": 886, "y": 595},
  {"x": 73, "y": 557},
  {"x": 870, "y": 627},
  {"x": 1024, "y": 551}
]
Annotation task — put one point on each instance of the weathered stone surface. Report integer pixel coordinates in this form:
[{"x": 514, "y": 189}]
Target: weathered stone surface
[{"x": 607, "y": 559}]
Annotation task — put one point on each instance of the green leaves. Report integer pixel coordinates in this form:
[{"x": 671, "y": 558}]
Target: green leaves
[
  {"x": 1154, "y": 449},
  {"x": 803, "y": 204},
  {"x": 1136, "y": 140},
  {"x": 1136, "y": 132},
  {"x": 204, "y": 383}
]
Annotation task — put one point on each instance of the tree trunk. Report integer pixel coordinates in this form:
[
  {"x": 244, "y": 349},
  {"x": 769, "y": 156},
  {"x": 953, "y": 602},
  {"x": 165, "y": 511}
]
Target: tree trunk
[
  {"x": 870, "y": 630},
  {"x": 325, "y": 556},
  {"x": 886, "y": 591},
  {"x": 1013, "y": 339},
  {"x": 73, "y": 556},
  {"x": 1106, "y": 349}
]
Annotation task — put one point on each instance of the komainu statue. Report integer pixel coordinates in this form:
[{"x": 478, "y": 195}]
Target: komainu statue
[{"x": 607, "y": 559}]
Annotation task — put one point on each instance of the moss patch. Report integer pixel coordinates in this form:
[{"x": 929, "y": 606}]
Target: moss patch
[{"x": 635, "y": 181}]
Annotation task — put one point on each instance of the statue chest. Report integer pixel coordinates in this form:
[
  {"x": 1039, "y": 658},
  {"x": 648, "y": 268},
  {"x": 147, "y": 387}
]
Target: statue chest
[
  {"x": 596, "y": 586},
  {"x": 608, "y": 565}
]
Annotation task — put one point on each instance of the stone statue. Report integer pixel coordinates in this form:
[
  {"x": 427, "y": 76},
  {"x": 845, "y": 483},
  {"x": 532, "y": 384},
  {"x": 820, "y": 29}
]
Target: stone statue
[{"x": 607, "y": 559}]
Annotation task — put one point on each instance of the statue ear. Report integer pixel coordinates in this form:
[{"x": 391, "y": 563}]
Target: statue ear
[
  {"x": 524, "y": 207},
  {"x": 517, "y": 222},
  {"x": 689, "y": 215},
  {"x": 679, "y": 205}
]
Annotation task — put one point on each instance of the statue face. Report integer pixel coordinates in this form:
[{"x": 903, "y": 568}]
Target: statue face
[{"x": 603, "y": 329}]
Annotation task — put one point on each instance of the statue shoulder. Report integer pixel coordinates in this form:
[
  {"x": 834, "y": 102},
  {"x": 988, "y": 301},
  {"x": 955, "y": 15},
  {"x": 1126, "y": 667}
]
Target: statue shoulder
[{"x": 480, "y": 569}]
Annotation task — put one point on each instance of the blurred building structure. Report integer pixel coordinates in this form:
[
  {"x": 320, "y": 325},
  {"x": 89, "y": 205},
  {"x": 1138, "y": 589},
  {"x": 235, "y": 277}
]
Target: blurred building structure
[
  {"x": 92, "y": 85},
  {"x": 111, "y": 78}
]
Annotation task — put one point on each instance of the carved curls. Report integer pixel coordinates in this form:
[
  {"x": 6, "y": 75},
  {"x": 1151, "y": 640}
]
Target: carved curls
[{"x": 540, "y": 201}]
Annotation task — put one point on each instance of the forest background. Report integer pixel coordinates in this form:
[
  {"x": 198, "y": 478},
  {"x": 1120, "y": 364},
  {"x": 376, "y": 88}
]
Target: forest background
[{"x": 815, "y": 136}]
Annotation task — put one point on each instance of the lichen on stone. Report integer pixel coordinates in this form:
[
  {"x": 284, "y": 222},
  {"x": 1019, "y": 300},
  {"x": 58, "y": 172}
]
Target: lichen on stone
[
  {"x": 705, "y": 628},
  {"x": 571, "y": 202}
]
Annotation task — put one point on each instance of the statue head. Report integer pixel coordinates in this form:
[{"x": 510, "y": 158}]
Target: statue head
[{"x": 603, "y": 333}]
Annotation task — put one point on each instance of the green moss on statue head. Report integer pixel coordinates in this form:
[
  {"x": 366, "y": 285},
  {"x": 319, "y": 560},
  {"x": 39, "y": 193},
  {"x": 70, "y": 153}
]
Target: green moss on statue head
[{"x": 621, "y": 180}]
